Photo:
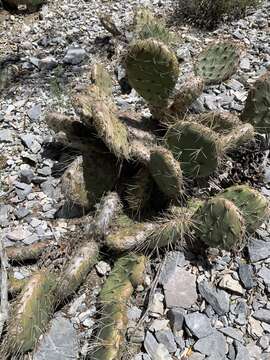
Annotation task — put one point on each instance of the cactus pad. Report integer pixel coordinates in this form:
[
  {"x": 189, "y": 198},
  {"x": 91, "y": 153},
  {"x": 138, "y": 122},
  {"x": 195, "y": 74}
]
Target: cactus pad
[
  {"x": 166, "y": 172},
  {"x": 127, "y": 273},
  {"x": 102, "y": 79},
  {"x": 195, "y": 146},
  {"x": 220, "y": 224},
  {"x": 218, "y": 62},
  {"x": 257, "y": 109},
  {"x": 31, "y": 313},
  {"x": 220, "y": 122},
  {"x": 253, "y": 205},
  {"x": 239, "y": 136},
  {"x": 152, "y": 70}
]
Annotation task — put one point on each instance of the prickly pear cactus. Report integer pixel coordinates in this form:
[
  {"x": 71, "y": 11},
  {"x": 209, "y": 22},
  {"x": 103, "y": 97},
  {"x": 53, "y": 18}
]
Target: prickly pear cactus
[
  {"x": 220, "y": 224},
  {"x": 30, "y": 313},
  {"x": 239, "y": 136},
  {"x": 146, "y": 26},
  {"x": 257, "y": 108},
  {"x": 253, "y": 205},
  {"x": 101, "y": 78},
  {"x": 220, "y": 122},
  {"x": 218, "y": 62},
  {"x": 166, "y": 172},
  {"x": 195, "y": 146},
  {"x": 152, "y": 70},
  {"x": 128, "y": 273}
]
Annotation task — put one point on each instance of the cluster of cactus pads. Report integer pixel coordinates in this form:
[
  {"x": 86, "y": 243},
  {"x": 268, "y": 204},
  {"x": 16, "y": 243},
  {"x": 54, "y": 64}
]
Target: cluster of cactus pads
[{"x": 140, "y": 169}]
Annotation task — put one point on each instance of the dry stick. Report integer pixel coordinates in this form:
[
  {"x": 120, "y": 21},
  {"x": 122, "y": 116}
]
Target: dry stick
[{"x": 4, "y": 287}]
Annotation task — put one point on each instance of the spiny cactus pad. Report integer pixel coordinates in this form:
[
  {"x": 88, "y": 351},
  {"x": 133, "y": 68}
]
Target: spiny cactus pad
[
  {"x": 220, "y": 122},
  {"x": 77, "y": 269},
  {"x": 195, "y": 146},
  {"x": 152, "y": 70},
  {"x": 127, "y": 234},
  {"x": 30, "y": 313},
  {"x": 239, "y": 136},
  {"x": 253, "y": 205},
  {"x": 102, "y": 79},
  {"x": 257, "y": 108},
  {"x": 220, "y": 224},
  {"x": 218, "y": 62},
  {"x": 127, "y": 273},
  {"x": 166, "y": 172}
]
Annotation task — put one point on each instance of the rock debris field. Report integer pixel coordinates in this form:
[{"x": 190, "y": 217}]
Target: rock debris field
[{"x": 193, "y": 303}]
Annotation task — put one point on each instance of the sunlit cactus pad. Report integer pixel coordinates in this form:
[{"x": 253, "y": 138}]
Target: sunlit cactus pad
[
  {"x": 195, "y": 146},
  {"x": 152, "y": 70},
  {"x": 218, "y": 62},
  {"x": 257, "y": 109},
  {"x": 220, "y": 224}
]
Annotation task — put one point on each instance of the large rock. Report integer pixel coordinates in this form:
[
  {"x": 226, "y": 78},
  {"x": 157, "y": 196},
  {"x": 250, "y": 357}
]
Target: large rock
[
  {"x": 59, "y": 343},
  {"x": 258, "y": 250},
  {"x": 198, "y": 324},
  {"x": 180, "y": 290},
  {"x": 218, "y": 299},
  {"x": 213, "y": 345}
]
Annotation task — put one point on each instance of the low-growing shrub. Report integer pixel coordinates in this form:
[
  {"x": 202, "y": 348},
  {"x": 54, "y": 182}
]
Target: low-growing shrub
[{"x": 208, "y": 13}]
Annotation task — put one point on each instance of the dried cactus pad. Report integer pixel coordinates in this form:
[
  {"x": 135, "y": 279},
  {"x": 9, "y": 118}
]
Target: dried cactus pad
[
  {"x": 102, "y": 78},
  {"x": 195, "y": 146},
  {"x": 220, "y": 122},
  {"x": 152, "y": 70},
  {"x": 166, "y": 172},
  {"x": 31, "y": 313},
  {"x": 218, "y": 62},
  {"x": 257, "y": 109},
  {"x": 220, "y": 224},
  {"x": 253, "y": 205}
]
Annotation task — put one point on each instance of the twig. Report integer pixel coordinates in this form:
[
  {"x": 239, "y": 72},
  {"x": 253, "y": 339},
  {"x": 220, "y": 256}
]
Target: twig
[{"x": 4, "y": 287}]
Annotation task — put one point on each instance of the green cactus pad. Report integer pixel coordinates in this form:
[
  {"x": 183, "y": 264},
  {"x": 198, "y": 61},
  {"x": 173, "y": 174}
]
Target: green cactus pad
[
  {"x": 152, "y": 70},
  {"x": 187, "y": 94},
  {"x": 146, "y": 26},
  {"x": 139, "y": 190},
  {"x": 77, "y": 269},
  {"x": 127, "y": 234},
  {"x": 253, "y": 205},
  {"x": 102, "y": 79},
  {"x": 257, "y": 108},
  {"x": 195, "y": 146},
  {"x": 128, "y": 273},
  {"x": 220, "y": 224},
  {"x": 220, "y": 122},
  {"x": 218, "y": 62},
  {"x": 30, "y": 313},
  {"x": 167, "y": 173}
]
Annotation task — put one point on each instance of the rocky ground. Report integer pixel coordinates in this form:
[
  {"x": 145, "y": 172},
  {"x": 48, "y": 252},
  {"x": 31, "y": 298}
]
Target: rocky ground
[{"x": 220, "y": 309}]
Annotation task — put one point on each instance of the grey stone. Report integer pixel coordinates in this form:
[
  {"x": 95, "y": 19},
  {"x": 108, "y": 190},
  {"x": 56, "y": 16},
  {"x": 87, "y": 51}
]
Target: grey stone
[
  {"x": 176, "y": 317},
  {"x": 4, "y": 214},
  {"x": 246, "y": 276},
  {"x": 264, "y": 342},
  {"x": 214, "y": 344},
  {"x": 241, "y": 351},
  {"x": 31, "y": 143},
  {"x": 103, "y": 268},
  {"x": 30, "y": 239},
  {"x": 218, "y": 299},
  {"x": 35, "y": 112},
  {"x": 232, "y": 333},
  {"x": 264, "y": 273},
  {"x": 59, "y": 343},
  {"x": 134, "y": 313},
  {"x": 74, "y": 56},
  {"x": 166, "y": 338},
  {"x": 26, "y": 176},
  {"x": 45, "y": 171},
  {"x": 262, "y": 315},
  {"x": 198, "y": 324},
  {"x": 21, "y": 212},
  {"x": 258, "y": 250},
  {"x": 180, "y": 290},
  {"x": 48, "y": 63},
  {"x": 5, "y": 136},
  {"x": 173, "y": 259},
  {"x": 245, "y": 64},
  {"x": 228, "y": 283},
  {"x": 254, "y": 351},
  {"x": 22, "y": 189},
  {"x": 196, "y": 356},
  {"x": 18, "y": 234},
  {"x": 155, "y": 350}
]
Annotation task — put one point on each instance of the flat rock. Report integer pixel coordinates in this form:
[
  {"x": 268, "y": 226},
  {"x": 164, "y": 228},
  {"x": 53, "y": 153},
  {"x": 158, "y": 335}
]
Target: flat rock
[
  {"x": 258, "y": 250},
  {"x": 232, "y": 333},
  {"x": 214, "y": 344},
  {"x": 180, "y": 290},
  {"x": 228, "y": 283},
  {"x": 241, "y": 351},
  {"x": 246, "y": 276},
  {"x": 155, "y": 350},
  {"x": 264, "y": 273},
  {"x": 166, "y": 338},
  {"x": 199, "y": 324},
  {"x": 218, "y": 299},
  {"x": 59, "y": 343},
  {"x": 18, "y": 234},
  {"x": 176, "y": 317},
  {"x": 262, "y": 315},
  {"x": 173, "y": 259},
  {"x": 74, "y": 56},
  {"x": 5, "y": 136}
]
